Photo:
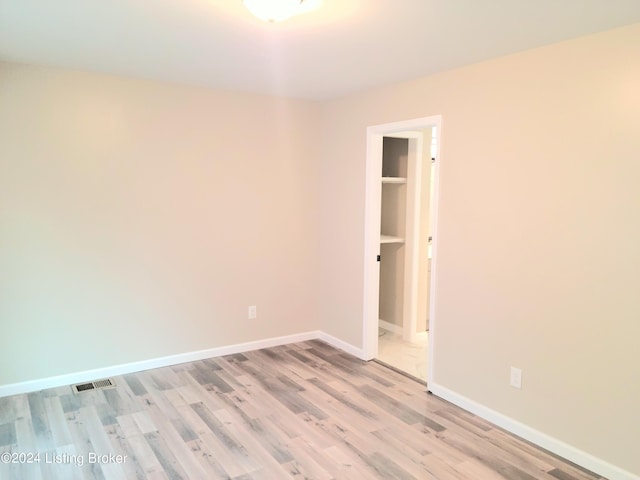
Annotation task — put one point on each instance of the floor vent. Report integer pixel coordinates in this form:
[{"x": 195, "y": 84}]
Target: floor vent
[{"x": 97, "y": 385}]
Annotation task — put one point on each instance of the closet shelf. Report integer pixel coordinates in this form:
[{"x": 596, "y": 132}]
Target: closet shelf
[
  {"x": 394, "y": 180},
  {"x": 391, "y": 239}
]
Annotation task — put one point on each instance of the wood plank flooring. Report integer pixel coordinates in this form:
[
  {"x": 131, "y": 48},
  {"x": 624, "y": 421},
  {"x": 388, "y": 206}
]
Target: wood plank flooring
[{"x": 300, "y": 411}]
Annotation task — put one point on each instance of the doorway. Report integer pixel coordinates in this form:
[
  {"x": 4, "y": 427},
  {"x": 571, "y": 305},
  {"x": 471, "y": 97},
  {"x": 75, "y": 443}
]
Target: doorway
[{"x": 400, "y": 248}]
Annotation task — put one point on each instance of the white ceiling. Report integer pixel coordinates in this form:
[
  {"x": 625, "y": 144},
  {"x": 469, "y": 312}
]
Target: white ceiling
[{"x": 344, "y": 46}]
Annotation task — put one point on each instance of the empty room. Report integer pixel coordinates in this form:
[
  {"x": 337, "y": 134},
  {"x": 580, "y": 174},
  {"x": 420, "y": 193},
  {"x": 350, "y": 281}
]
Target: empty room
[{"x": 321, "y": 239}]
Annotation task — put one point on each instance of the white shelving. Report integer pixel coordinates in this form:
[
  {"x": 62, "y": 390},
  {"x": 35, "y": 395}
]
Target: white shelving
[
  {"x": 391, "y": 239},
  {"x": 394, "y": 180}
]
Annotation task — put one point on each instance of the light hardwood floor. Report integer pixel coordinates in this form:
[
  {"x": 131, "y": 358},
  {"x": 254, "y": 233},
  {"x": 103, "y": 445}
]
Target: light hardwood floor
[{"x": 298, "y": 411}]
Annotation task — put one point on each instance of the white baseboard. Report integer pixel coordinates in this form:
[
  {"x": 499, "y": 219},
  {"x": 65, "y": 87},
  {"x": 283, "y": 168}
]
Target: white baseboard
[
  {"x": 347, "y": 347},
  {"x": 543, "y": 440},
  {"x": 89, "y": 375}
]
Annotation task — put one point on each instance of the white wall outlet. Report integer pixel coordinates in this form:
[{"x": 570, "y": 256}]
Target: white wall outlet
[
  {"x": 516, "y": 377},
  {"x": 253, "y": 312}
]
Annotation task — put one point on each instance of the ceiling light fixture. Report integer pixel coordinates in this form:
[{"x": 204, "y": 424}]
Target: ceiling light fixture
[{"x": 273, "y": 10}]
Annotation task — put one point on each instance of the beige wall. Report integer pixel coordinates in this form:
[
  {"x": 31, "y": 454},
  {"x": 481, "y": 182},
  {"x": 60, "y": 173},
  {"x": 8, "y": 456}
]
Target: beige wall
[
  {"x": 538, "y": 233},
  {"x": 139, "y": 220}
]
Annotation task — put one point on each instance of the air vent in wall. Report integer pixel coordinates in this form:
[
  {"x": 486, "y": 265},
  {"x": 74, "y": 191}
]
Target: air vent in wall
[{"x": 97, "y": 385}]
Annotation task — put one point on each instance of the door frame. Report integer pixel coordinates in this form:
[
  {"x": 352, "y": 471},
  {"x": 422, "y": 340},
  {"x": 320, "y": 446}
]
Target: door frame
[{"x": 373, "y": 197}]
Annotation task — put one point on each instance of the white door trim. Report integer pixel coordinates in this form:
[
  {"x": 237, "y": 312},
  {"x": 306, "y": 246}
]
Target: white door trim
[{"x": 373, "y": 196}]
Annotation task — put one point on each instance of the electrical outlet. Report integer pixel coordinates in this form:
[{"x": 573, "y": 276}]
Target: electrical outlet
[
  {"x": 253, "y": 312},
  {"x": 516, "y": 377}
]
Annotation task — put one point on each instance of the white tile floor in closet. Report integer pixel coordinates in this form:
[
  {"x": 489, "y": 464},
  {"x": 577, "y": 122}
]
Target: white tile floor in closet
[{"x": 406, "y": 356}]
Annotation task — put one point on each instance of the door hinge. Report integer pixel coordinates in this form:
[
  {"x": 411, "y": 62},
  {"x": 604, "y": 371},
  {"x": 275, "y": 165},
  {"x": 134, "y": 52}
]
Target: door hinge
[{"x": 378, "y": 257}]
